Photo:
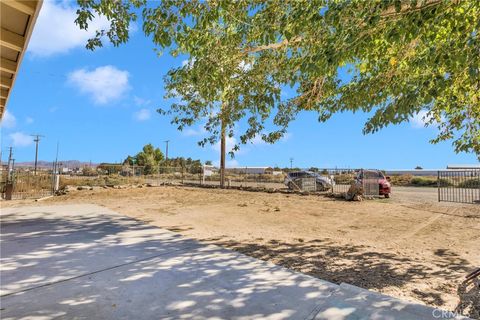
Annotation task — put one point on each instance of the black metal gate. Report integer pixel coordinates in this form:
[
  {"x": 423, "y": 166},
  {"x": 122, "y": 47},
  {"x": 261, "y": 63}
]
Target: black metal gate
[{"x": 459, "y": 186}]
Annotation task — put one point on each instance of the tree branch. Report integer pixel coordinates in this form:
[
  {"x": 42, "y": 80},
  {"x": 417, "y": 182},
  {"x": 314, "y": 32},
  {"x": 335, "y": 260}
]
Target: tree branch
[
  {"x": 389, "y": 12},
  {"x": 276, "y": 45}
]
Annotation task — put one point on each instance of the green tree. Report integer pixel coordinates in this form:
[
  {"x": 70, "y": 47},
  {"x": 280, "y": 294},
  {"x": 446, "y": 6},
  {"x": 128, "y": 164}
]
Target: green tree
[
  {"x": 403, "y": 58},
  {"x": 195, "y": 167},
  {"x": 149, "y": 158},
  {"x": 129, "y": 161}
]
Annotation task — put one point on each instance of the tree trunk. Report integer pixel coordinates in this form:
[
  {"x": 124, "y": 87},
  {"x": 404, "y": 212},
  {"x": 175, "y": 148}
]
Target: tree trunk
[{"x": 222, "y": 155}]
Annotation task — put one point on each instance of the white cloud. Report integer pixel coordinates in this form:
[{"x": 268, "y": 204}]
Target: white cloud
[
  {"x": 192, "y": 132},
  {"x": 228, "y": 163},
  {"x": 8, "y": 120},
  {"x": 56, "y": 32},
  {"x": 20, "y": 139},
  {"x": 29, "y": 120},
  {"x": 142, "y": 115},
  {"x": 141, "y": 102},
  {"x": 232, "y": 163},
  {"x": 133, "y": 28},
  {"x": 189, "y": 62},
  {"x": 104, "y": 84},
  {"x": 418, "y": 120},
  {"x": 421, "y": 119},
  {"x": 230, "y": 143},
  {"x": 257, "y": 141}
]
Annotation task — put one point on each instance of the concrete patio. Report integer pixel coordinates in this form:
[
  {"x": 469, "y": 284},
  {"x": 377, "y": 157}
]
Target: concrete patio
[{"x": 88, "y": 262}]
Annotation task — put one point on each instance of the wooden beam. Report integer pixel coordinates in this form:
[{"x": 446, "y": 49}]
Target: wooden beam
[
  {"x": 8, "y": 66},
  {"x": 3, "y": 102},
  {"x": 27, "y": 7},
  {"x": 3, "y": 93},
  {"x": 6, "y": 83},
  {"x": 11, "y": 40}
]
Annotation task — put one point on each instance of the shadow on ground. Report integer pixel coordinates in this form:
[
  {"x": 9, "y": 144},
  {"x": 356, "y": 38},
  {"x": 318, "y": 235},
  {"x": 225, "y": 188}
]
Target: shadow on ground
[
  {"x": 97, "y": 265},
  {"x": 360, "y": 266},
  {"x": 110, "y": 266}
]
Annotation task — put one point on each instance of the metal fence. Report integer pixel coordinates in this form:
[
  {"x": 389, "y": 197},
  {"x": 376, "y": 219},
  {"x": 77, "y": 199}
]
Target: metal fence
[
  {"x": 245, "y": 177},
  {"x": 453, "y": 185},
  {"x": 459, "y": 186},
  {"x": 344, "y": 178},
  {"x": 186, "y": 175},
  {"x": 25, "y": 184}
]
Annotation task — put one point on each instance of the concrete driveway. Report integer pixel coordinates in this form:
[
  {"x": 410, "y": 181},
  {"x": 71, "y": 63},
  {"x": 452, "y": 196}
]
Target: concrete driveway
[{"x": 88, "y": 262}]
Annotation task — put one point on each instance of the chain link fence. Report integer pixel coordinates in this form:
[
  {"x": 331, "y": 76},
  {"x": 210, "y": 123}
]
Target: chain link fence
[
  {"x": 368, "y": 179},
  {"x": 268, "y": 178},
  {"x": 337, "y": 181},
  {"x": 255, "y": 177},
  {"x": 22, "y": 183}
]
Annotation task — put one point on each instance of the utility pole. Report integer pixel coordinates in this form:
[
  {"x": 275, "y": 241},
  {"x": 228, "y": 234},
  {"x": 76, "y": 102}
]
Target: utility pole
[
  {"x": 36, "y": 140},
  {"x": 9, "y": 164},
  {"x": 291, "y": 163},
  {"x": 166, "y": 150},
  {"x": 56, "y": 173},
  {"x": 10, "y": 154}
]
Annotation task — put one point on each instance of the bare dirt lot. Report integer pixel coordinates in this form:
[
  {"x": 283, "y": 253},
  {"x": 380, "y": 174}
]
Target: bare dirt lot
[{"x": 408, "y": 246}]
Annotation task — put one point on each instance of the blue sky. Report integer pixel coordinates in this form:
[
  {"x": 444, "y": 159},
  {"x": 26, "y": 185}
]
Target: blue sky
[{"x": 100, "y": 106}]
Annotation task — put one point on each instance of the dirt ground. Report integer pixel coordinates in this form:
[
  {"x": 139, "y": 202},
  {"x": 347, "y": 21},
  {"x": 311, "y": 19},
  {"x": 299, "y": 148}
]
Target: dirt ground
[{"x": 408, "y": 246}]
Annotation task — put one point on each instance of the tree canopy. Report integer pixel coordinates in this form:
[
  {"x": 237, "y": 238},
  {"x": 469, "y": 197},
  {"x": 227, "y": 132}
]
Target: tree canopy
[
  {"x": 153, "y": 161},
  {"x": 402, "y": 58},
  {"x": 149, "y": 158}
]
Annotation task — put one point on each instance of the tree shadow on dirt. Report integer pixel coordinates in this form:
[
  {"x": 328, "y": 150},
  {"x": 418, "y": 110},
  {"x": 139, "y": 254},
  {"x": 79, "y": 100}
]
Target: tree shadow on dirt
[
  {"x": 359, "y": 265},
  {"x": 99, "y": 263},
  {"x": 469, "y": 294}
]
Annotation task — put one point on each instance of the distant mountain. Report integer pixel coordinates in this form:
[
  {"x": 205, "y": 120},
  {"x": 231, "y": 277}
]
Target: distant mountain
[{"x": 63, "y": 163}]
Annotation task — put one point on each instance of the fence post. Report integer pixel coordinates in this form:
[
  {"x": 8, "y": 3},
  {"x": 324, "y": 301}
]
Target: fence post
[
  {"x": 8, "y": 190},
  {"x": 57, "y": 183},
  {"x": 159, "y": 180},
  {"x": 438, "y": 185},
  {"x": 183, "y": 173},
  {"x": 246, "y": 176}
]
